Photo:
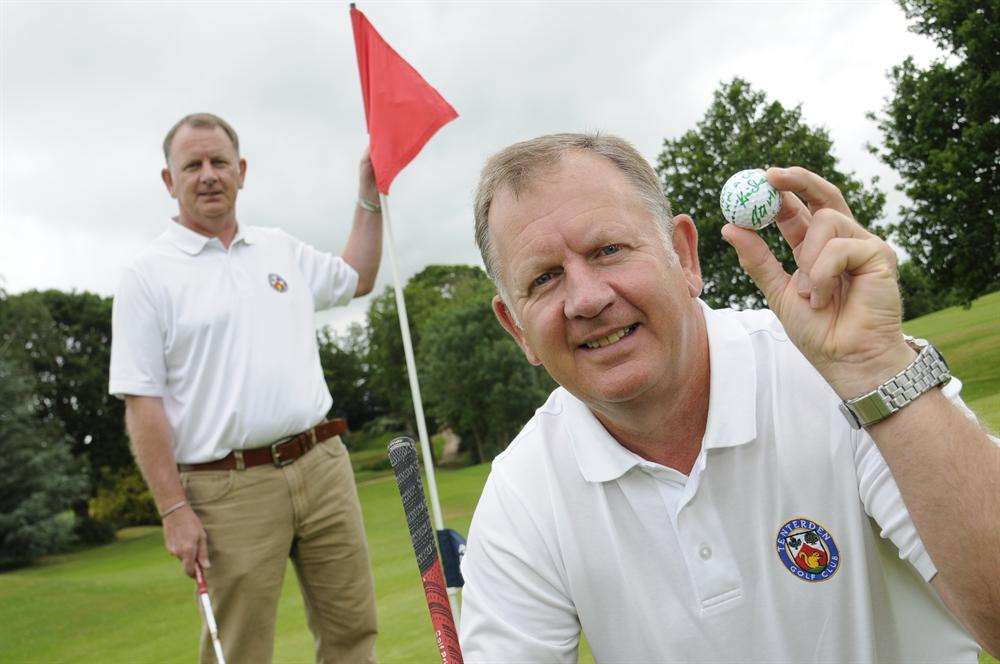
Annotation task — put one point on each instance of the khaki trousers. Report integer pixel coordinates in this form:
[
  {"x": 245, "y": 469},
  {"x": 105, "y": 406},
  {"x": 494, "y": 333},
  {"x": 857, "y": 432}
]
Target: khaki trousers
[{"x": 256, "y": 519}]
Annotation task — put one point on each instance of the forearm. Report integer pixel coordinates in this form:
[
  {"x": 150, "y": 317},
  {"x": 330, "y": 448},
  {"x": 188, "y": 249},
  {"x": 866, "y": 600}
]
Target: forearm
[
  {"x": 948, "y": 473},
  {"x": 364, "y": 248},
  {"x": 149, "y": 432}
]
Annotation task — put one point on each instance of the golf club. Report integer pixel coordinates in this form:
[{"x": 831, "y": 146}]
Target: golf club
[
  {"x": 403, "y": 458},
  {"x": 206, "y": 606}
]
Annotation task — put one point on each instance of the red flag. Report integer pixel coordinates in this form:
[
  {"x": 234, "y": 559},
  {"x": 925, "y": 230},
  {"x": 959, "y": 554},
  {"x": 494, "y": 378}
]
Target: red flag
[{"x": 401, "y": 109}]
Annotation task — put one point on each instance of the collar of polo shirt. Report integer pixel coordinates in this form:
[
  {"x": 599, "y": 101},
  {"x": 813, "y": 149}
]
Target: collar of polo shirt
[
  {"x": 193, "y": 243},
  {"x": 732, "y": 405}
]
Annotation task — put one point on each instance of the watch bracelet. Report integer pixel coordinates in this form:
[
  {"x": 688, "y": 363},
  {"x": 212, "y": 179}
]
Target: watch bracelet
[
  {"x": 903, "y": 388},
  {"x": 929, "y": 369}
]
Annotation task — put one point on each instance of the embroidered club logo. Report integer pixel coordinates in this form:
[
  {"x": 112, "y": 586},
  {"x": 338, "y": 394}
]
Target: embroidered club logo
[
  {"x": 807, "y": 550},
  {"x": 277, "y": 283}
]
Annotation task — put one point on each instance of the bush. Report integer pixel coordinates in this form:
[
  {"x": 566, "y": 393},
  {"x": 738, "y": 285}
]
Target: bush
[
  {"x": 38, "y": 480},
  {"x": 919, "y": 296},
  {"x": 91, "y": 532},
  {"x": 124, "y": 500}
]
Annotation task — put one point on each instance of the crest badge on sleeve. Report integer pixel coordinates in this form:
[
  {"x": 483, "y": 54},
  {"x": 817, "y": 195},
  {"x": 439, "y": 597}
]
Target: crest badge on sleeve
[
  {"x": 277, "y": 283},
  {"x": 807, "y": 550}
]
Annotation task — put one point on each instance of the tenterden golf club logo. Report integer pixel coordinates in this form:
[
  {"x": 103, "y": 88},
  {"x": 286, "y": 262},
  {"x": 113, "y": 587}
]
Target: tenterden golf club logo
[
  {"x": 807, "y": 550},
  {"x": 277, "y": 283}
]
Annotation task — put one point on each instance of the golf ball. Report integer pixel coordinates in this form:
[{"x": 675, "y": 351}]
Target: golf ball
[{"x": 749, "y": 201}]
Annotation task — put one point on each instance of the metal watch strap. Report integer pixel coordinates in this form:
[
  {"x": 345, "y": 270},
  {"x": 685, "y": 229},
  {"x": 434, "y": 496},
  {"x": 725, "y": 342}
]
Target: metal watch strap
[{"x": 926, "y": 371}]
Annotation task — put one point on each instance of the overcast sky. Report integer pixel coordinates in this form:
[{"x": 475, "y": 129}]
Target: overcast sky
[{"x": 89, "y": 89}]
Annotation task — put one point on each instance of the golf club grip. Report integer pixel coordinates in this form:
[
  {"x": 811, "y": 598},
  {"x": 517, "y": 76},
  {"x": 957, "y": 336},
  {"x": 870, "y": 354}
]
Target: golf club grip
[
  {"x": 403, "y": 457},
  {"x": 199, "y": 577}
]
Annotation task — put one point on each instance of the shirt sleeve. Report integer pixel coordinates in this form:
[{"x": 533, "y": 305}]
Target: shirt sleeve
[
  {"x": 137, "y": 341},
  {"x": 332, "y": 281},
  {"x": 881, "y": 497},
  {"x": 514, "y": 607}
]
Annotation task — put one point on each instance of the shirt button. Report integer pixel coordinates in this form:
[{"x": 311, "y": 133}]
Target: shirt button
[{"x": 705, "y": 552}]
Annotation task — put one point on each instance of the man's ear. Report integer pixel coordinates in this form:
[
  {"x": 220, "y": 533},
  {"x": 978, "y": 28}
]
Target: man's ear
[
  {"x": 169, "y": 181},
  {"x": 686, "y": 245},
  {"x": 243, "y": 171},
  {"x": 508, "y": 323}
]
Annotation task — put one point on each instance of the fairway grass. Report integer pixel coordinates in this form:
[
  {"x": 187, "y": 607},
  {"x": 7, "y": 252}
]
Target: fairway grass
[{"x": 128, "y": 602}]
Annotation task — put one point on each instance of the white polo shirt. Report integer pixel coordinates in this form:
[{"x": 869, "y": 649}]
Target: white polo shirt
[
  {"x": 767, "y": 552},
  {"x": 226, "y": 338}
]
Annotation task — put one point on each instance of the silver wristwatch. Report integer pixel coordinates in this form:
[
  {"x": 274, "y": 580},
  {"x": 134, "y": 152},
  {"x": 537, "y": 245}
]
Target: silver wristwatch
[{"x": 928, "y": 370}]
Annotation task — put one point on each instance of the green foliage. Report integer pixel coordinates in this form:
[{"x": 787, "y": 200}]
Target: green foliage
[
  {"x": 346, "y": 371},
  {"x": 478, "y": 381},
  {"x": 742, "y": 129},
  {"x": 433, "y": 289},
  {"x": 919, "y": 295},
  {"x": 941, "y": 133},
  {"x": 71, "y": 356},
  {"x": 65, "y": 340},
  {"x": 123, "y": 499},
  {"x": 38, "y": 480}
]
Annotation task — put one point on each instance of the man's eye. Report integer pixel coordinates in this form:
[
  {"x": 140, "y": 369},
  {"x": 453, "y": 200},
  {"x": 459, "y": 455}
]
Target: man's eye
[
  {"x": 219, "y": 162},
  {"x": 610, "y": 249},
  {"x": 542, "y": 279}
]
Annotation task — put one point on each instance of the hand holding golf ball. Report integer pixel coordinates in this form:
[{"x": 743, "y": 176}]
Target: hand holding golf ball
[
  {"x": 749, "y": 201},
  {"x": 841, "y": 307}
]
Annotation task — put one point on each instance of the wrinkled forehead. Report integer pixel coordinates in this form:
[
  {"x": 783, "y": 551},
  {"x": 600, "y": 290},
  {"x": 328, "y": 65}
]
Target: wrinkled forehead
[
  {"x": 203, "y": 140},
  {"x": 577, "y": 181}
]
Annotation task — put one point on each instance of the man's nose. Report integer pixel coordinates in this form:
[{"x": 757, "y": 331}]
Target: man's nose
[
  {"x": 587, "y": 293},
  {"x": 208, "y": 174}
]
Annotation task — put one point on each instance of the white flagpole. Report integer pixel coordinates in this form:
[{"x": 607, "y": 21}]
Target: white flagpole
[{"x": 411, "y": 371}]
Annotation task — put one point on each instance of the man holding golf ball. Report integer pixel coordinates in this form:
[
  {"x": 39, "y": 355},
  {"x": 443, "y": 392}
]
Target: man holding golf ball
[{"x": 796, "y": 484}]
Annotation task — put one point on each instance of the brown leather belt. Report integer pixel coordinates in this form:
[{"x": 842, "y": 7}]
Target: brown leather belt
[{"x": 279, "y": 454}]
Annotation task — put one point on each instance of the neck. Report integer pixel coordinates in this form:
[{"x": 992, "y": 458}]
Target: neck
[
  {"x": 224, "y": 229},
  {"x": 667, "y": 426}
]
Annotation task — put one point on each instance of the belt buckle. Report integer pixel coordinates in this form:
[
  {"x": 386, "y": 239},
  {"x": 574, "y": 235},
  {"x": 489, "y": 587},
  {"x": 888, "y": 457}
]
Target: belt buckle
[{"x": 276, "y": 454}]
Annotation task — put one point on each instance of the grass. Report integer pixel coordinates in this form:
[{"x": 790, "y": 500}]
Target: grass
[
  {"x": 970, "y": 340},
  {"x": 128, "y": 601}
]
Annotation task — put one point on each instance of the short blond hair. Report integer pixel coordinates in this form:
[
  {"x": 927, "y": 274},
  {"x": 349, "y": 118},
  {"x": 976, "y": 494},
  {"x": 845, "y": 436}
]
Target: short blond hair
[
  {"x": 514, "y": 166},
  {"x": 199, "y": 120}
]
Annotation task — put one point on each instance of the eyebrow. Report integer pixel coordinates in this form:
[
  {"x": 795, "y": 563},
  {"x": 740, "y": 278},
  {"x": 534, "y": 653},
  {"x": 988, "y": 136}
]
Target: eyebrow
[
  {"x": 593, "y": 238},
  {"x": 214, "y": 157}
]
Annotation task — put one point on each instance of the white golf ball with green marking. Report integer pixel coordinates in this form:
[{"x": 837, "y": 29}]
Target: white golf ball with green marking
[{"x": 749, "y": 201}]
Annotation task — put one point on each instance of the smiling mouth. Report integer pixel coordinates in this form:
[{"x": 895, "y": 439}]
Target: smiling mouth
[{"x": 612, "y": 338}]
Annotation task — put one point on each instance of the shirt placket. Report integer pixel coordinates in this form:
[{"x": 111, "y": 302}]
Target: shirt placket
[
  {"x": 707, "y": 554},
  {"x": 239, "y": 278}
]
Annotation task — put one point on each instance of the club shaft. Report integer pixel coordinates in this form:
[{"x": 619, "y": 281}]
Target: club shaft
[{"x": 206, "y": 606}]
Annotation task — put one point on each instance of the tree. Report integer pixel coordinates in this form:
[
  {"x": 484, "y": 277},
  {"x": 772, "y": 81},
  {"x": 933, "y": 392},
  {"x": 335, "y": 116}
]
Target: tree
[
  {"x": 477, "y": 380},
  {"x": 38, "y": 479},
  {"x": 742, "y": 129},
  {"x": 433, "y": 289},
  {"x": 65, "y": 340},
  {"x": 343, "y": 358},
  {"x": 919, "y": 296},
  {"x": 941, "y": 130}
]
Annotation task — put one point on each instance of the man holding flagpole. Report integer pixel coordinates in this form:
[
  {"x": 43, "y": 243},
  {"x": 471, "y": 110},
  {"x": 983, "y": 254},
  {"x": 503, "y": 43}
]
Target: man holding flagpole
[{"x": 214, "y": 352}]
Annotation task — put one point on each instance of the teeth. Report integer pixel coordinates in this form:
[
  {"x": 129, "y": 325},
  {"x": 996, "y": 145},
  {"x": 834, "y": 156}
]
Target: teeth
[{"x": 608, "y": 340}]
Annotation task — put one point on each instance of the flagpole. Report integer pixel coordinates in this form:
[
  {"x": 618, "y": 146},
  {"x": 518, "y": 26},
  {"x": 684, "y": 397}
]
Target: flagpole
[
  {"x": 411, "y": 371},
  {"x": 411, "y": 367}
]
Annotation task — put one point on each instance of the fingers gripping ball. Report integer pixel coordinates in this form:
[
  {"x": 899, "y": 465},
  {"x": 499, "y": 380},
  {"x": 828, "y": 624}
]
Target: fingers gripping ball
[{"x": 749, "y": 201}]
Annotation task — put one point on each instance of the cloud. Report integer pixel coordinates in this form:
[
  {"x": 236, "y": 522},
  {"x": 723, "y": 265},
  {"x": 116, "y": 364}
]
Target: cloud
[{"x": 89, "y": 89}]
